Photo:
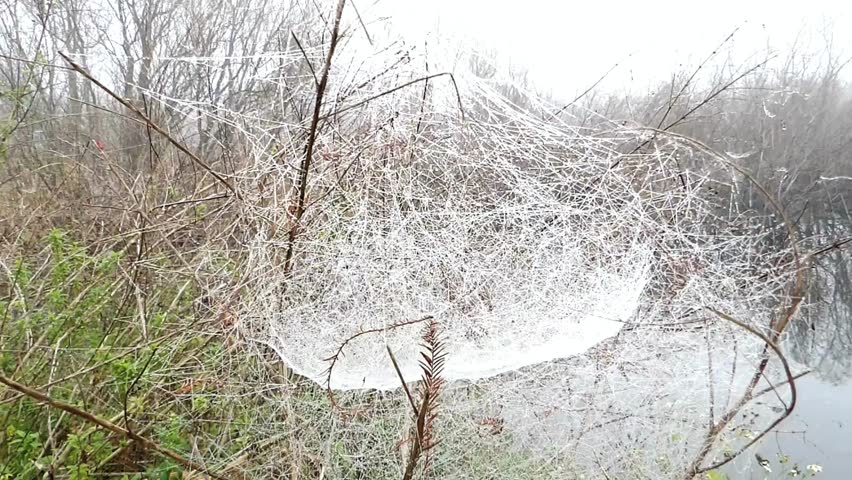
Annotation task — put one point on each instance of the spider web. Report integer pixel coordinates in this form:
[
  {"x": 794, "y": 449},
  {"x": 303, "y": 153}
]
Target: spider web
[{"x": 567, "y": 268}]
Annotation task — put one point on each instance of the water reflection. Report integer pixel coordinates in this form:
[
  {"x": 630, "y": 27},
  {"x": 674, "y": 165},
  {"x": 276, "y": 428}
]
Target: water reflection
[
  {"x": 818, "y": 433},
  {"x": 645, "y": 403},
  {"x": 821, "y": 338}
]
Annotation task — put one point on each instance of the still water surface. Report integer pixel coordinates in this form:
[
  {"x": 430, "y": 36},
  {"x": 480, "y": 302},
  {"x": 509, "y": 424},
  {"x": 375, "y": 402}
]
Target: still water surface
[
  {"x": 818, "y": 432},
  {"x": 820, "y": 429}
]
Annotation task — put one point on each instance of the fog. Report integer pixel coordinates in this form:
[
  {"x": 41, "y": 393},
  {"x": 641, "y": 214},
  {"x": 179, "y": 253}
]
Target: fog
[{"x": 568, "y": 46}]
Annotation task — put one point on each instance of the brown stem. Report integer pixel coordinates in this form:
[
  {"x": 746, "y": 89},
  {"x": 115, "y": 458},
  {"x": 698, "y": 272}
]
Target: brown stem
[
  {"x": 696, "y": 468},
  {"x": 312, "y": 138},
  {"x": 334, "y": 358}
]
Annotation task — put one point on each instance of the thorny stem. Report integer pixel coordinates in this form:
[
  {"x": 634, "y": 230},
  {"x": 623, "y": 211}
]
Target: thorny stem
[{"x": 336, "y": 357}]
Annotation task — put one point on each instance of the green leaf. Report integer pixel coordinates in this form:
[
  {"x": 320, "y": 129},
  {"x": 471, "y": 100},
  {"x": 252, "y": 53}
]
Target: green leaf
[{"x": 716, "y": 475}]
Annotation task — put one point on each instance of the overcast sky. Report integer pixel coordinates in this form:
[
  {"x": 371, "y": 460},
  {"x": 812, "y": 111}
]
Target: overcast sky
[{"x": 567, "y": 45}]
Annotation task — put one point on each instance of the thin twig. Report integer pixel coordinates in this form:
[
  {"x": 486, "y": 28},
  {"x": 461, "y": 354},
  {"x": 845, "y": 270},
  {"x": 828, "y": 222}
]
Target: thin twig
[
  {"x": 586, "y": 91},
  {"x": 133, "y": 385},
  {"x": 191, "y": 200},
  {"x": 33, "y": 62},
  {"x": 673, "y": 100},
  {"x": 402, "y": 380},
  {"x": 695, "y": 469},
  {"x": 400, "y": 87},
  {"x": 307, "y": 59},
  {"x": 336, "y": 357},
  {"x": 710, "y": 384},
  {"x": 151, "y": 124},
  {"x": 717, "y": 93},
  {"x": 361, "y": 21}
]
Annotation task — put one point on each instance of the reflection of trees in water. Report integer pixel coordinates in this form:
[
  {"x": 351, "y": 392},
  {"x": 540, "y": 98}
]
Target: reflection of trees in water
[{"x": 822, "y": 336}]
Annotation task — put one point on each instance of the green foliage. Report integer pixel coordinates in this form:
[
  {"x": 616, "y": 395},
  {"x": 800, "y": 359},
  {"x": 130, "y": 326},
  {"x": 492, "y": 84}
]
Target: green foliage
[
  {"x": 24, "y": 446},
  {"x": 172, "y": 436},
  {"x": 78, "y": 304},
  {"x": 716, "y": 475},
  {"x": 79, "y": 472},
  {"x": 200, "y": 403},
  {"x": 65, "y": 313},
  {"x": 16, "y": 96}
]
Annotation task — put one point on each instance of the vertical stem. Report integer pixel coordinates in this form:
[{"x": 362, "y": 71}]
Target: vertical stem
[{"x": 312, "y": 138}]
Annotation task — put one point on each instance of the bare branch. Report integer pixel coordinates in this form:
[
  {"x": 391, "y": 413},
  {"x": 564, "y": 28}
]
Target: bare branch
[{"x": 151, "y": 124}]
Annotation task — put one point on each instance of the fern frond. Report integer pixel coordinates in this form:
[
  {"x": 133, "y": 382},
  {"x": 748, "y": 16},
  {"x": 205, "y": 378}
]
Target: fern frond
[{"x": 432, "y": 366}]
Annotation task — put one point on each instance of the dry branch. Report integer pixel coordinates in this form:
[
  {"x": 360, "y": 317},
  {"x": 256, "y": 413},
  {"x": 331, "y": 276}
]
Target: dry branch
[
  {"x": 150, "y": 123},
  {"x": 695, "y": 468},
  {"x": 339, "y": 352},
  {"x": 305, "y": 167}
]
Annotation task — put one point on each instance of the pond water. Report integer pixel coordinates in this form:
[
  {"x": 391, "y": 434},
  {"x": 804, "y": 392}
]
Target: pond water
[
  {"x": 818, "y": 432},
  {"x": 641, "y": 405},
  {"x": 820, "y": 429}
]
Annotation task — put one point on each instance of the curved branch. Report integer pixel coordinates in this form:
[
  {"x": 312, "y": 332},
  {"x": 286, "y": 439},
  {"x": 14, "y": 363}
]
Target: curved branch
[
  {"x": 792, "y": 234},
  {"x": 339, "y": 352},
  {"x": 791, "y": 380}
]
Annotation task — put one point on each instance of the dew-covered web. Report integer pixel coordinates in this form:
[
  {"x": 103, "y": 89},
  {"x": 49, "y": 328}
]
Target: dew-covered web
[
  {"x": 568, "y": 268},
  {"x": 509, "y": 260}
]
